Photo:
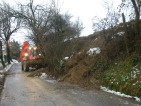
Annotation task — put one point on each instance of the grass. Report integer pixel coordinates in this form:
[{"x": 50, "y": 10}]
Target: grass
[{"x": 125, "y": 76}]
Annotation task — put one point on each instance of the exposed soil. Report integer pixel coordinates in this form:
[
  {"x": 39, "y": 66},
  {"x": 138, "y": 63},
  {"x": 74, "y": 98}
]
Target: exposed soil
[{"x": 78, "y": 71}]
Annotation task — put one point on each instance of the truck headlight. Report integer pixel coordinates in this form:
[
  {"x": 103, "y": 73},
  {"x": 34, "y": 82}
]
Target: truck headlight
[
  {"x": 26, "y": 54},
  {"x": 35, "y": 48}
]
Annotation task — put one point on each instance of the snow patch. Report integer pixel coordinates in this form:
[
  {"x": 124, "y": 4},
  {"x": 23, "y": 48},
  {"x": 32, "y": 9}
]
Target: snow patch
[
  {"x": 76, "y": 37},
  {"x": 5, "y": 69},
  {"x": 43, "y": 76},
  {"x": 66, "y": 58},
  {"x": 113, "y": 37},
  {"x": 70, "y": 38},
  {"x": 120, "y": 33},
  {"x": 1, "y": 75},
  {"x": 66, "y": 40},
  {"x": 8, "y": 67},
  {"x": 119, "y": 93},
  {"x": 51, "y": 81},
  {"x": 96, "y": 38},
  {"x": 94, "y": 50},
  {"x": 15, "y": 61}
]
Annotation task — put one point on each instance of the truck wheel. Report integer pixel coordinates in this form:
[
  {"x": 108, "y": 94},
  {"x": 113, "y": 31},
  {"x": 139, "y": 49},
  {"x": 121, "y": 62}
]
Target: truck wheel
[{"x": 25, "y": 66}]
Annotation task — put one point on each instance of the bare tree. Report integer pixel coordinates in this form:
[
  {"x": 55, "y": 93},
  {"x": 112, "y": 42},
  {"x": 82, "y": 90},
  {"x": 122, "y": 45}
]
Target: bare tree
[
  {"x": 60, "y": 30},
  {"x": 49, "y": 28},
  {"x": 133, "y": 15},
  {"x": 9, "y": 25},
  {"x": 78, "y": 26},
  {"x": 107, "y": 24},
  {"x": 35, "y": 18}
]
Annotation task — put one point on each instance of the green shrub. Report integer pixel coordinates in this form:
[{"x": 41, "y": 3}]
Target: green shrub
[
  {"x": 134, "y": 59},
  {"x": 125, "y": 76}
]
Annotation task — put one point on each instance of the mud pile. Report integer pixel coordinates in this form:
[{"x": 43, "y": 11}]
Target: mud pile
[{"x": 78, "y": 70}]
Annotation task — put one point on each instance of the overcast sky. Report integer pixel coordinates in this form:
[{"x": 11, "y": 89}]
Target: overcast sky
[{"x": 84, "y": 9}]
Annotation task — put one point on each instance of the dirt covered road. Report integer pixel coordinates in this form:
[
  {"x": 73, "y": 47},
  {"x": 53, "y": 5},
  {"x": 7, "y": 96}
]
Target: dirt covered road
[{"x": 20, "y": 90}]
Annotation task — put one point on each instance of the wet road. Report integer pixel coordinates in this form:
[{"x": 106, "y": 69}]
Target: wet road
[{"x": 20, "y": 90}]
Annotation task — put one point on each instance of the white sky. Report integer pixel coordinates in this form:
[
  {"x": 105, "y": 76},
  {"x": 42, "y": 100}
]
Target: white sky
[{"x": 84, "y": 9}]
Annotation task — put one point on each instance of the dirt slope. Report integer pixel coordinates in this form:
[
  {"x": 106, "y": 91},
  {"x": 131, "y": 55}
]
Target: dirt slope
[{"x": 78, "y": 70}]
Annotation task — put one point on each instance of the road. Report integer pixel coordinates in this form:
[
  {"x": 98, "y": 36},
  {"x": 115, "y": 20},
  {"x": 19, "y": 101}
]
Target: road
[{"x": 20, "y": 90}]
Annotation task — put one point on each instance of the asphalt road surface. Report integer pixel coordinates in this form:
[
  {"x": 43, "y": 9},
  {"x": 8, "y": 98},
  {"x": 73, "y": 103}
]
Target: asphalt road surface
[{"x": 20, "y": 90}]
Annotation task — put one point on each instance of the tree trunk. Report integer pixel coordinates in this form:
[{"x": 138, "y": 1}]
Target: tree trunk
[
  {"x": 137, "y": 24},
  {"x": 1, "y": 55},
  {"x": 127, "y": 34},
  {"x": 137, "y": 18},
  {"x": 8, "y": 52}
]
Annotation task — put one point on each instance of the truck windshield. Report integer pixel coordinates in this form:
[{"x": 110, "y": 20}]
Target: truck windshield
[{"x": 34, "y": 52}]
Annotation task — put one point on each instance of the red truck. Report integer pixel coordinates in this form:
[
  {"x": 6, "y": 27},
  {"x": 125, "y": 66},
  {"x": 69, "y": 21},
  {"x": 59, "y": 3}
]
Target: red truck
[{"x": 30, "y": 57}]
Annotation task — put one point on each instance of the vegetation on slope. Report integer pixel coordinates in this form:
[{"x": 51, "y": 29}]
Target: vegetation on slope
[{"x": 124, "y": 76}]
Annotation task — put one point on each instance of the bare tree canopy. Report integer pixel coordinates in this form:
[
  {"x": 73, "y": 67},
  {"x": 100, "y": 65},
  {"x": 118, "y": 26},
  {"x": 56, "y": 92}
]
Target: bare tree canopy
[{"x": 8, "y": 25}]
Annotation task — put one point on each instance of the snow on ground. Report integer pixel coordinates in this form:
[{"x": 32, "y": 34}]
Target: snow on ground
[
  {"x": 76, "y": 37},
  {"x": 10, "y": 65},
  {"x": 66, "y": 58},
  {"x": 43, "y": 76},
  {"x": 120, "y": 33},
  {"x": 67, "y": 39},
  {"x": 14, "y": 61},
  {"x": 119, "y": 94},
  {"x": 96, "y": 39},
  {"x": 1, "y": 75},
  {"x": 94, "y": 50},
  {"x": 51, "y": 81},
  {"x": 6, "y": 69}
]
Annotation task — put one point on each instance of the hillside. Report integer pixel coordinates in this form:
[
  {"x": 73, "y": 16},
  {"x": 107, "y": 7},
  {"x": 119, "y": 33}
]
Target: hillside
[{"x": 101, "y": 59}]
